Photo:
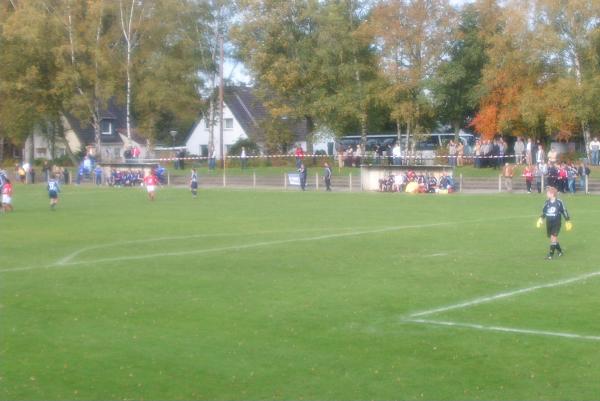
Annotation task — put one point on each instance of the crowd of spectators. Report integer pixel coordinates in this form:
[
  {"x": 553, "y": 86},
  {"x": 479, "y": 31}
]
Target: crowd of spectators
[
  {"x": 564, "y": 176},
  {"x": 417, "y": 183},
  {"x": 489, "y": 153}
]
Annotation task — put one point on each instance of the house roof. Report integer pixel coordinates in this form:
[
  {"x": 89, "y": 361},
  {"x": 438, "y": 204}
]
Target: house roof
[
  {"x": 250, "y": 112},
  {"x": 114, "y": 112}
]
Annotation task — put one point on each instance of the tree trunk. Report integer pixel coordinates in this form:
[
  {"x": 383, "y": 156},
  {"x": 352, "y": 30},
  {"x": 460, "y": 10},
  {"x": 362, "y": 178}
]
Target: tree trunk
[
  {"x": 310, "y": 127},
  {"x": 399, "y": 133}
]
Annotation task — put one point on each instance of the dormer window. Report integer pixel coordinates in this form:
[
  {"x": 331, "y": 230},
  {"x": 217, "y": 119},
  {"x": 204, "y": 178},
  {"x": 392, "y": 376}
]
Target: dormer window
[{"x": 107, "y": 127}]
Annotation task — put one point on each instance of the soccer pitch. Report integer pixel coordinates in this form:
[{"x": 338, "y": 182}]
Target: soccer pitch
[{"x": 290, "y": 295}]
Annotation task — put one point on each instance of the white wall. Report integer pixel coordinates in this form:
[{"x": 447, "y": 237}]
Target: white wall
[
  {"x": 200, "y": 135},
  {"x": 42, "y": 147}
]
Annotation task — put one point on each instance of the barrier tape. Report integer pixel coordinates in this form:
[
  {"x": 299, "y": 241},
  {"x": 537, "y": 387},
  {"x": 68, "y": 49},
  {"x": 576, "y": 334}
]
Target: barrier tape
[{"x": 335, "y": 157}]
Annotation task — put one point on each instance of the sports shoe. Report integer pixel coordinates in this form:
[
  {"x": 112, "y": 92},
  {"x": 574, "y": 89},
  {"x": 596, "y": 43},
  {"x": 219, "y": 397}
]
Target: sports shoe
[
  {"x": 560, "y": 254},
  {"x": 548, "y": 257}
]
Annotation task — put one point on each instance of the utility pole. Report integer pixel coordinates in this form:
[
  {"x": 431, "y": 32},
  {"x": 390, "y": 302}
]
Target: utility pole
[{"x": 221, "y": 90}]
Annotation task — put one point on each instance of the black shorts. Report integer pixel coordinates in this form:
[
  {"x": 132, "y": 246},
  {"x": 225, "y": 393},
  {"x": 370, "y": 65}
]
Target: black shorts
[
  {"x": 552, "y": 227},
  {"x": 52, "y": 194},
  {"x": 194, "y": 185}
]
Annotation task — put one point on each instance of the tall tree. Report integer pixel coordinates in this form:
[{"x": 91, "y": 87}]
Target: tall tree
[
  {"x": 171, "y": 53},
  {"x": 455, "y": 84},
  {"x": 568, "y": 29},
  {"x": 412, "y": 38}
]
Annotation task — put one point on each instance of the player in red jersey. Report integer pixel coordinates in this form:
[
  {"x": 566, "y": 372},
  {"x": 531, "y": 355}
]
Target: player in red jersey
[
  {"x": 7, "y": 191},
  {"x": 151, "y": 182}
]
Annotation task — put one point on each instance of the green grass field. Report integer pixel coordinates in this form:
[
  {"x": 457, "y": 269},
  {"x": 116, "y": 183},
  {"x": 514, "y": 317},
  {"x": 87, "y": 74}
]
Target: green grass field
[{"x": 288, "y": 295}]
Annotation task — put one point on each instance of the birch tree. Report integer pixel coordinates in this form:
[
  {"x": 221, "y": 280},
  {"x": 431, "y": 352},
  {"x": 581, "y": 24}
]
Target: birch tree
[{"x": 412, "y": 38}]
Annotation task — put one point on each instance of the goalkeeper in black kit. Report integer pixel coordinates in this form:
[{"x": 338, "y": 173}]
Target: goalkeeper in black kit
[{"x": 554, "y": 209}]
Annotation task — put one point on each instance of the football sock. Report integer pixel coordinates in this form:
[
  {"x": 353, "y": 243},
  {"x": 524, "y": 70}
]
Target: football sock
[
  {"x": 557, "y": 246},
  {"x": 552, "y": 248}
]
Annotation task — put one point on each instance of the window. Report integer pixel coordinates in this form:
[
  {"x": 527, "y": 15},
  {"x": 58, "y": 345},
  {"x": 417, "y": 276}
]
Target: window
[
  {"x": 40, "y": 151},
  {"x": 207, "y": 123},
  {"x": 229, "y": 123},
  {"x": 60, "y": 152},
  {"x": 117, "y": 152},
  {"x": 203, "y": 150},
  {"x": 106, "y": 127}
]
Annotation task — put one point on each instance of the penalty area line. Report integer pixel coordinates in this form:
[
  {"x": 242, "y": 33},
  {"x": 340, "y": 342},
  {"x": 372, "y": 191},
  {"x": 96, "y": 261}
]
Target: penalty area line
[
  {"x": 509, "y": 294},
  {"x": 501, "y": 329}
]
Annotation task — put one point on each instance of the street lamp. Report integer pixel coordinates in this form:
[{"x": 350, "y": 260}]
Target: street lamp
[{"x": 173, "y": 135}]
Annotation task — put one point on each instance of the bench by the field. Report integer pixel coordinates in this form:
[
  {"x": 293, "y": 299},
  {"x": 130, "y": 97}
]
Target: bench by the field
[{"x": 371, "y": 175}]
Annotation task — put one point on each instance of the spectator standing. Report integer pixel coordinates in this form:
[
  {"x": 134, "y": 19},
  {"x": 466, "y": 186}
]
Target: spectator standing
[
  {"x": 303, "y": 174},
  {"x": 243, "y": 158},
  {"x": 528, "y": 174},
  {"x": 595, "y": 150},
  {"x": 571, "y": 176},
  {"x": 501, "y": 151},
  {"x": 540, "y": 171},
  {"x": 477, "y": 154},
  {"x": 540, "y": 156},
  {"x": 21, "y": 173},
  {"x": 452, "y": 153},
  {"x": 583, "y": 172},
  {"x": 396, "y": 153},
  {"x": 46, "y": 170},
  {"x": 358, "y": 155},
  {"x": 508, "y": 176},
  {"x": 98, "y": 175},
  {"x": 529, "y": 151},
  {"x": 460, "y": 152},
  {"x": 299, "y": 154},
  {"x": 519, "y": 149},
  {"x": 327, "y": 176},
  {"x": 552, "y": 155}
]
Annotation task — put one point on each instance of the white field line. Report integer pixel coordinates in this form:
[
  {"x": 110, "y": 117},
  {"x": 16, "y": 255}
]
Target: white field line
[
  {"x": 504, "y": 329},
  {"x": 71, "y": 256},
  {"x": 502, "y": 295},
  {"x": 63, "y": 263},
  {"x": 226, "y": 248}
]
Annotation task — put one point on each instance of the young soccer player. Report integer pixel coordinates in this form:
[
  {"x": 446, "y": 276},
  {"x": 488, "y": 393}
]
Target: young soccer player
[
  {"x": 7, "y": 191},
  {"x": 151, "y": 182},
  {"x": 553, "y": 211},
  {"x": 194, "y": 183},
  {"x": 53, "y": 190}
]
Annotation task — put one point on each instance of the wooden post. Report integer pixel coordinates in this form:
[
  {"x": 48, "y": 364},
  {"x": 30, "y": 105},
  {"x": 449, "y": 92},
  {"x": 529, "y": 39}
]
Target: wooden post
[
  {"x": 499, "y": 182},
  {"x": 285, "y": 181},
  {"x": 254, "y": 179},
  {"x": 460, "y": 183},
  {"x": 224, "y": 179},
  {"x": 587, "y": 188},
  {"x": 317, "y": 181},
  {"x": 350, "y": 180},
  {"x": 168, "y": 179},
  {"x": 542, "y": 183}
]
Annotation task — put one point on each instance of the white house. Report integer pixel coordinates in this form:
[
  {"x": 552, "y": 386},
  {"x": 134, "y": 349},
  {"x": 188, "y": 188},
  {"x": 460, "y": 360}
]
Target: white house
[
  {"x": 80, "y": 137},
  {"x": 243, "y": 117}
]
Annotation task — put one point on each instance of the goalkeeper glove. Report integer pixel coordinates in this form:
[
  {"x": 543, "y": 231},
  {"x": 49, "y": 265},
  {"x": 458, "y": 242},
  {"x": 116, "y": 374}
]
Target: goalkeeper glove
[
  {"x": 539, "y": 223},
  {"x": 569, "y": 226}
]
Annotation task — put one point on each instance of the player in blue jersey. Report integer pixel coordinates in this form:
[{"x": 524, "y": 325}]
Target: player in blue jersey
[
  {"x": 553, "y": 211},
  {"x": 53, "y": 190},
  {"x": 194, "y": 183}
]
